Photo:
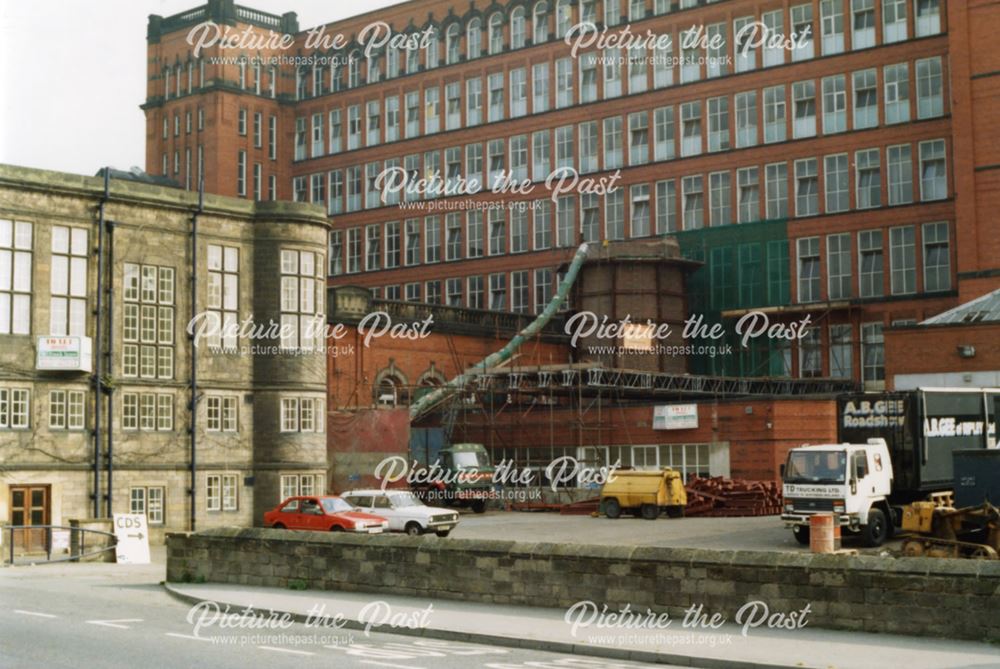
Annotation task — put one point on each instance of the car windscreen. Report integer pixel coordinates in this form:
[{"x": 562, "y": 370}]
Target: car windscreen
[
  {"x": 363, "y": 501},
  {"x": 816, "y": 467},
  {"x": 401, "y": 500},
  {"x": 470, "y": 459},
  {"x": 335, "y": 505}
]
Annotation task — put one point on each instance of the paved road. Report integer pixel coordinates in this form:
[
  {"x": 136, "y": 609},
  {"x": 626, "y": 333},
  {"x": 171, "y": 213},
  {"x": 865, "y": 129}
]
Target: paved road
[
  {"x": 105, "y": 615},
  {"x": 762, "y": 533}
]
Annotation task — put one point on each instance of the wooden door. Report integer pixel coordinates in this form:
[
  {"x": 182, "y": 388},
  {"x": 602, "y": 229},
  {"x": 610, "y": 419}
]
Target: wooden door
[{"x": 29, "y": 506}]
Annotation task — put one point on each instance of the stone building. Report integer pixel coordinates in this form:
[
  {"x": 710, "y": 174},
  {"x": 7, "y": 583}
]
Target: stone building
[{"x": 85, "y": 311}]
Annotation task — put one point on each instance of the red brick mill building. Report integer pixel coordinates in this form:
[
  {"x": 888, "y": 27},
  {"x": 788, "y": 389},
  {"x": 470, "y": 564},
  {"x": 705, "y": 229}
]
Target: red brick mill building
[
  {"x": 559, "y": 397},
  {"x": 850, "y": 179}
]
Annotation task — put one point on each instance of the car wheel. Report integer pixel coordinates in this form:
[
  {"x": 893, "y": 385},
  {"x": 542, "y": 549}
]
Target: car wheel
[
  {"x": 479, "y": 506},
  {"x": 336, "y": 528},
  {"x": 650, "y": 511},
  {"x": 443, "y": 533},
  {"x": 875, "y": 532},
  {"x": 801, "y": 534},
  {"x": 414, "y": 529},
  {"x": 278, "y": 526},
  {"x": 612, "y": 509}
]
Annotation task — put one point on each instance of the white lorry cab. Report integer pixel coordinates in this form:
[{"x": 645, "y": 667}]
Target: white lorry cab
[{"x": 852, "y": 481}]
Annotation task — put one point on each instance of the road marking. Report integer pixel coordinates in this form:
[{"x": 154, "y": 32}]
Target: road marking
[
  {"x": 389, "y": 664},
  {"x": 115, "y": 623},
  {"x": 285, "y": 650},
  {"x": 34, "y": 613},
  {"x": 188, "y": 636}
]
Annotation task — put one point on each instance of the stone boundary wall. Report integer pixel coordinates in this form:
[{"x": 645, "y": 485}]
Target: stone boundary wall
[{"x": 956, "y": 599}]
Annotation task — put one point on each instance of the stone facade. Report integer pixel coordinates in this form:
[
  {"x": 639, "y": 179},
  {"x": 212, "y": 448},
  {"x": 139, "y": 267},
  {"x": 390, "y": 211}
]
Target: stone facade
[
  {"x": 920, "y": 597},
  {"x": 150, "y": 232}
]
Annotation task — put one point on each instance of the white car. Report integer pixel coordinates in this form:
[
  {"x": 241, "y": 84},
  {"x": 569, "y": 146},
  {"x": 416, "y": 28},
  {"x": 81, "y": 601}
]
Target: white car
[{"x": 404, "y": 511}]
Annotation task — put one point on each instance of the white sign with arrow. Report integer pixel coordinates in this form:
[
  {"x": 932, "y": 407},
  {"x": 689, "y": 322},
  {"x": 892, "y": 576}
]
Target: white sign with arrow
[{"x": 132, "y": 533}]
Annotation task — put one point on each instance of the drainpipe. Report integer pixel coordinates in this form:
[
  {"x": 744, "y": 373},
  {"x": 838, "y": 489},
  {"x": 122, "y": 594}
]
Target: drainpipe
[
  {"x": 193, "y": 350},
  {"x": 110, "y": 388},
  {"x": 98, "y": 367}
]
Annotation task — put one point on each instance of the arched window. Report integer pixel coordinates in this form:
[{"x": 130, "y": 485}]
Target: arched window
[
  {"x": 564, "y": 18},
  {"x": 389, "y": 392},
  {"x": 412, "y": 57},
  {"x": 301, "y": 82},
  {"x": 473, "y": 39},
  {"x": 374, "y": 68},
  {"x": 335, "y": 76},
  {"x": 540, "y": 23},
  {"x": 431, "y": 378},
  {"x": 317, "y": 79},
  {"x": 451, "y": 39},
  {"x": 391, "y": 61},
  {"x": 431, "y": 51},
  {"x": 496, "y": 33},
  {"x": 391, "y": 388},
  {"x": 517, "y": 28},
  {"x": 354, "y": 70}
]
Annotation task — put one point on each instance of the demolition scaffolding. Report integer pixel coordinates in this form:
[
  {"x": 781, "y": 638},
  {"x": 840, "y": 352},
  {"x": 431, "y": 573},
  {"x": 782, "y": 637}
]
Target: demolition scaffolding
[{"x": 496, "y": 399}]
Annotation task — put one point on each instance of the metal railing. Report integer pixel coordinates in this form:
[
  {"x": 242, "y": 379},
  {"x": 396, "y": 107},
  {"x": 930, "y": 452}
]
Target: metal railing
[{"x": 77, "y": 541}]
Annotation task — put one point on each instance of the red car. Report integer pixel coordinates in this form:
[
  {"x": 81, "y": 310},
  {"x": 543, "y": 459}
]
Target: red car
[{"x": 322, "y": 514}]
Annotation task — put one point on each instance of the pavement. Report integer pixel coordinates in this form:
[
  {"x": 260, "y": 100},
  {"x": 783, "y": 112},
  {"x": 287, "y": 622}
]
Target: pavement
[
  {"x": 107, "y": 615},
  {"x": 546, "y": 629},
  {"x": 102, "y": 615}
]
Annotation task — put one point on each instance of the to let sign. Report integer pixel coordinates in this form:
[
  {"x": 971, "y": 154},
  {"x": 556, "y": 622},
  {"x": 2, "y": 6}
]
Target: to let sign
[
  {"x": 64, "y": 353},
  {"x": 675, "y": 417},
  {"x": 132, "y": 533}
]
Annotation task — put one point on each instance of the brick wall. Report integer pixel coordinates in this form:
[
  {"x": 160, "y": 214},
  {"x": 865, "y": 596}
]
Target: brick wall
[
  {"x": 974, "y": 62},
  {"x": 919, "y": 597},
  {"x": 928, "y": 350},
  {"x": 759, "y": 432},
  {"x": 353, "y": 367},
  {"x": 359, "y": 440}
]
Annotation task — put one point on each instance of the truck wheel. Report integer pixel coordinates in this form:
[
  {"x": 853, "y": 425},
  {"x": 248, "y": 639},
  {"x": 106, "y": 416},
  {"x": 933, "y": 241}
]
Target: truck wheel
[
  {"x": 650, "y": 511},
  {"x": 893, "y": 520},
  {"x": 414, "y": 529},
  {"x": 478, "y": 506},
  {"x": 675, "y": 511},
  {"x": 875, "y": 532},
  {"x": 612, "y": 509},
  {"x": 801, "y": 534}
]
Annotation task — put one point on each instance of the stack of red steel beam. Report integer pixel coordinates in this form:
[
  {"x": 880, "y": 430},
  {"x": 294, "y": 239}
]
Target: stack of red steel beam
[
  {"x": 719, "y": 496},
  {"x": 585, "y": 507}
]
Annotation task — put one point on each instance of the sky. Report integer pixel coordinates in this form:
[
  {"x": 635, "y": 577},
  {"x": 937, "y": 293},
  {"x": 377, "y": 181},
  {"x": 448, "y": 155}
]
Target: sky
[{"x": 73, "y": 74}]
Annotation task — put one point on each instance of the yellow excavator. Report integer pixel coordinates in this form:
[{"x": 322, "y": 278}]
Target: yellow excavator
[{"x": 940, "y": 530}]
